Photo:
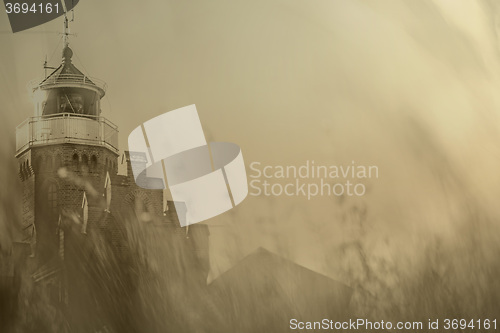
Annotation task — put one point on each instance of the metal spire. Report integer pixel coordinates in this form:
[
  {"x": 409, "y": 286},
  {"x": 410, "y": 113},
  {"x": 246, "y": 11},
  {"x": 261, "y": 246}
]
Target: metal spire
[{"x": 65, "y": 30}]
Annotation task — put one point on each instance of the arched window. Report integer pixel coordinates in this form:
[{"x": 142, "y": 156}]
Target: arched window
[
  {"x": 75, "y": 159},
  {"x": 84, "y": 166},
  {"x": 23, "y": 170},
  {"x": 38, "y": 163},
  {"x": 57, "y": 162},
  {"x": 52, "y": 198},
  {"x": 93, "y": 163},
  {"x": 85, "y": 213},
  {"x": 107, "y": 192},
  {"x": 48, "y": 164},
  {"x": 141, "y": 207}
]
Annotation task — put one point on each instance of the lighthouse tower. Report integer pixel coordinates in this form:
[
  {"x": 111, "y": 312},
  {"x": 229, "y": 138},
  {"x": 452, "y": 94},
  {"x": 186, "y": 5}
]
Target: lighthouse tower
[
  {"x": 66, "y": 134},
  {"x": 77, "y": 209}
]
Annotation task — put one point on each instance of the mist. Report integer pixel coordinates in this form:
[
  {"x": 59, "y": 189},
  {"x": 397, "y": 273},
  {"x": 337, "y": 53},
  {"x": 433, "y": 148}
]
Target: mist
[{"x": 410, "y": 87}]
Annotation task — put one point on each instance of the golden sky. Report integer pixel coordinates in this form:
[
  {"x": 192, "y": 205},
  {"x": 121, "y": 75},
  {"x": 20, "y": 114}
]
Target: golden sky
[{"x": 409, "y": 86}]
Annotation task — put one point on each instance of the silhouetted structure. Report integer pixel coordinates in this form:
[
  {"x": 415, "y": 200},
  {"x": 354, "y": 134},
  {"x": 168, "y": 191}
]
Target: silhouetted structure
[
  {"x": 79, "y": 214},
  {"x": 274, "y": 291}
]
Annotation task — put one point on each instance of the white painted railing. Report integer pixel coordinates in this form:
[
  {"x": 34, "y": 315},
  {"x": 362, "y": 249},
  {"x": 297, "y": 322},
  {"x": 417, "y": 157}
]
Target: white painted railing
[
  {"x": 68, "y": 80},
  {"x": 66, "y": 128}
]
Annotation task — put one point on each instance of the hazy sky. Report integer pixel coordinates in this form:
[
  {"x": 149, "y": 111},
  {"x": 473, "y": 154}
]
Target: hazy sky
[{"x": 409, "y": 86}]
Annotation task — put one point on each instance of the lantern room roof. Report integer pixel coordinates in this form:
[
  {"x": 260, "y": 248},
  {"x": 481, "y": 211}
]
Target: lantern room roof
[{"x": 68, "y": 75}]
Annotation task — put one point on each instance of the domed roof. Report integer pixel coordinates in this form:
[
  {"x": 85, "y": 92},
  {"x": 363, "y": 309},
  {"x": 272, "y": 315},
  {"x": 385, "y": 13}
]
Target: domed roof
[
  {"x": 68, "y": 74},
  {"x": 67, "y": 54}
]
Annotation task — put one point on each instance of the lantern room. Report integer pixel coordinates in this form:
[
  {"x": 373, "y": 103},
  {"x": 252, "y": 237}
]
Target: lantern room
[{"x": 68, "y": 90}]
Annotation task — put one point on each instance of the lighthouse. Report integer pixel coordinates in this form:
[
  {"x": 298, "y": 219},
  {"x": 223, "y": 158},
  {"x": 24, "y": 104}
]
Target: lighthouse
[{"x": 77, "y": 208}]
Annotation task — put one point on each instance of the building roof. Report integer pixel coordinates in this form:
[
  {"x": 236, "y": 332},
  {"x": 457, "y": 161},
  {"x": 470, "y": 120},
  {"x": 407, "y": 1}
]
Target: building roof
[
  {"x": 67, "y": 74},
  {"x": 267, "y": 289},
  {"x": 66, "y": 66}
]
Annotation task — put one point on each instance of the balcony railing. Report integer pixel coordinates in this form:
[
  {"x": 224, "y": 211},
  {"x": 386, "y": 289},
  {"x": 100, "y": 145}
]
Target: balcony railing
[
  {"x": 66, "y": 128},
  {"x": 68, "y": 80}
]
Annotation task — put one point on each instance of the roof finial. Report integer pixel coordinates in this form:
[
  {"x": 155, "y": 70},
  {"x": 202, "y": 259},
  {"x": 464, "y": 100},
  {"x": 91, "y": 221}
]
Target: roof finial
[{"x": 67, "y": 52}]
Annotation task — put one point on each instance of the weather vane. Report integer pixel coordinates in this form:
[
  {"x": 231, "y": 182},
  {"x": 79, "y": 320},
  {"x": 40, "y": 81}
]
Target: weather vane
[
  {"x": 65, "y": 34},
  {"x": 66, "y": 31}
]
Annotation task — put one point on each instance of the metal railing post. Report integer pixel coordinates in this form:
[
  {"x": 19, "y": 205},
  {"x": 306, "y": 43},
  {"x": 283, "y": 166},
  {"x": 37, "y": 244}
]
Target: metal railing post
[
  {"x": 30, "y": 131},
  {"x": 102, "y": 138}
]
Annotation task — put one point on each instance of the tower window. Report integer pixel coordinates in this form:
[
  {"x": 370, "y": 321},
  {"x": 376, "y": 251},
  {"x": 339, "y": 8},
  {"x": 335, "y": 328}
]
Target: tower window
[
  {"x": 39, "y": 163},
  {"x": 52, "y": 197},
  {"x": 75, "y": 159},
  {"x": 141, "y": 207},
  {"x": 108, "y": 192},
  {"x": 48, "y": 164},
  {"x": 93, "y": 162},
  {"x": 57, "y": 162},
  {"x": 85, "y": 163},
  {"x": 85, "y": 208}
]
